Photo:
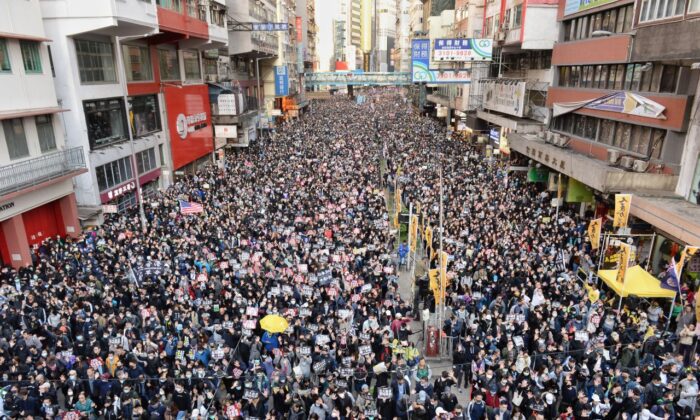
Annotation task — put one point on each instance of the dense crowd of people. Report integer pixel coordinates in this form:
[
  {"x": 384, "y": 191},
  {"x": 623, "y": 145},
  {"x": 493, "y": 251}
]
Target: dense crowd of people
[{"x": 164, "y": 323}]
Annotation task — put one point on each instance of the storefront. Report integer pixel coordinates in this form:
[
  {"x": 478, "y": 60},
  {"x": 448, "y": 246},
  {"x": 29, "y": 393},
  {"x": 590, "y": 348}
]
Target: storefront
[
  {"x": 190, "y": 126},
  {"x": 125, "y": 194},
  {"x": 28, "y": 219}
]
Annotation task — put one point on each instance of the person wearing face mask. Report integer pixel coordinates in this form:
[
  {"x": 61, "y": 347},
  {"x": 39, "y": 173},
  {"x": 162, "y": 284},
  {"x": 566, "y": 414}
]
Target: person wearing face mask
[{"x": 182, "y": 401}]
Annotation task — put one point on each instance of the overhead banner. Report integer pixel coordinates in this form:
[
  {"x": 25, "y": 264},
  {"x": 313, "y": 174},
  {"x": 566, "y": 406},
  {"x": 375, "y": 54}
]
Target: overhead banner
[
  {"x": 575, "y": 6},
  {"x": 506, "y": 96},
  {"x": 422, "y": 73},
  {"x": 270, "y": 26},
  {"x": 281, "y": 81},
  {"x": 622, "y": 209},
  {"x": 620, "y": 102},
  {"x": 463, "y": 49}
]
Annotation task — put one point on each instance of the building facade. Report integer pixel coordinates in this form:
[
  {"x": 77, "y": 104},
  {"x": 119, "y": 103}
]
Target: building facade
[{"x": 37, "y": 164}]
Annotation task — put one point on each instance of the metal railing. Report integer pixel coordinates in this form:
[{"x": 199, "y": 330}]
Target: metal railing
[{"x": 20, "y": 175}]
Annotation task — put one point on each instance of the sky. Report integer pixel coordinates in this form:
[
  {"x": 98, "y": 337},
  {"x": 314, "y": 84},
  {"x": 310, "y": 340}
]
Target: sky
[{"x": 326, "y": 10}]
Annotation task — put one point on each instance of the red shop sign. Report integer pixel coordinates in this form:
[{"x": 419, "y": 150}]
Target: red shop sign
[{"x": 189, "y": 121}]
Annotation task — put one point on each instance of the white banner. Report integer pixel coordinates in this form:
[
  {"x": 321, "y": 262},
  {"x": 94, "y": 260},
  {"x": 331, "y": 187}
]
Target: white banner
[
  {"x": 227, "y": 104},
  {"x": 507, "y": 96},
  {"x": 225, "y": 131}
]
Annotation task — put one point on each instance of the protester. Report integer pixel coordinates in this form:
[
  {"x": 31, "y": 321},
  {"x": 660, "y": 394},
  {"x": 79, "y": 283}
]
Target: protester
[{"x": 164, "y": 323}]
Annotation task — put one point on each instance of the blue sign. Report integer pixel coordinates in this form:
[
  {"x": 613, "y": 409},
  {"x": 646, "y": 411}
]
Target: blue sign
[
  {"x": 281, "y": 81},
  {"x": 422, "y": 73},
  {"x": 270, "y": 26},
  {"x": 495, "y": 134}
]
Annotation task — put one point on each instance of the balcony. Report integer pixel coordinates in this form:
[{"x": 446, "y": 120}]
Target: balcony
[
  {"x": 106, "y": 17},
  {"x": 32, "y": 172}
]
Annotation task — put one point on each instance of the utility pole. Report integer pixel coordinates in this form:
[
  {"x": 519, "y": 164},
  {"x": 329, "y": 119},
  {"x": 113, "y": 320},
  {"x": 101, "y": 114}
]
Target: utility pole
[{"x": 441, "y": 306}]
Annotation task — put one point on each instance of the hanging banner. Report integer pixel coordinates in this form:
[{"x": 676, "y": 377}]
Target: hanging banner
[
  {"x": 422, "y": 73},
  {"x": 503, "y": 143},
  {"x": 688, "y": 251},
  {"x": 463, "y": 49},
  {"x": 594, "y": 232},
  {"x": 624, "y": 262},
  {"x": 575, "y": 6},
  {"x": 281, "y": 81},
  {"x": 621, "y": 102},
  {"x": 503, "y": 95},
  {"x": 443, "y": 269},
  {"x": 429, "y": 236},
  {"x": 622, "y": 209},
  {"x": 413, "y": 231}
]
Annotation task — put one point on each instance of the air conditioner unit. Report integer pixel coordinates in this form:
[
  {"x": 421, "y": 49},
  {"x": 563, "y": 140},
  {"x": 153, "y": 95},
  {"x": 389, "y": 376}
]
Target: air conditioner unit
[
  {"x": 500, "y": 36},
  {"x": 613, "y": 156},
  {"x": 542, "y": 135},
  {"x": 640, "y": 165},
  {"x": 550, "y": 136},
  {"x": 562, "y": 141},
  {"x": 627, "y": 162}
]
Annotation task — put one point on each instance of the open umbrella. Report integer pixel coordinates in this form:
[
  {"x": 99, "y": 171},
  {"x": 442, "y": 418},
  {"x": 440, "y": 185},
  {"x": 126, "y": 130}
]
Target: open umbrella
[{"x": 274, "y": 324}]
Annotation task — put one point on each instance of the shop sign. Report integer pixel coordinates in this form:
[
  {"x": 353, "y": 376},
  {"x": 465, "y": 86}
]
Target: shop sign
[
  {"x": 227, "y": 104},
  {"x": 109, "y": 209},
  {"x": 541, "y": 156},
  {"x": 189, "y": 122},
  {"x": 7, "y": 206},
  {"x": 298, "y": 28},
  {"x": 495, "y": 134},
  {"x": 281, "y": 81},
  {"x": 506, "y": 96},
  {"x": 226, "y": 131},
  {"x": 463, "y": 49},
  {"x": 119, "y": 191}
]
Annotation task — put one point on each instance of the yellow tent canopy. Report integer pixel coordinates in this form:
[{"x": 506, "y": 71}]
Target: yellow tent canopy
[{"x": 638, "y": 282}]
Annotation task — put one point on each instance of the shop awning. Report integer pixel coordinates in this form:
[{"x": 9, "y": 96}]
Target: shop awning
[{"x": 638, "y": 282}]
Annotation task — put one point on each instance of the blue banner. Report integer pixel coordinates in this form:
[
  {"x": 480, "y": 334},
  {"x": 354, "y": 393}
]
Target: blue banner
[
  {"x": 281, "y": 81},
  {"x": 422, "y": 73}
]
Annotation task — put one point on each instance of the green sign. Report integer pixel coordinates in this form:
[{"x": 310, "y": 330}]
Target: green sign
[{"x": 575, "y": 6}]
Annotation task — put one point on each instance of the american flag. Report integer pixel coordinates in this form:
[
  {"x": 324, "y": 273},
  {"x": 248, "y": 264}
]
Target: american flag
[{"x": 187, "y": 207}]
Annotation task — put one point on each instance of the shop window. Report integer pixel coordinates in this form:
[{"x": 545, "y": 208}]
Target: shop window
[
  {"x": 144, "y": 114},
  {"x": 4, "y": 57},
  {"x": 137, "y": 63},
  {"x": 31, "y": 57},
  {"x": 44, "y": 128},
  {"x": 694, "y": 6},
  {"x": 149, "y": 191},
  {"x": 114, "y": 173},
  {"x": 639, "y": 140},
  {"x": 657, "y": 142},
  {"x": 15, "y": 138},
  {"x": 517, "y": 16},
  {"x": 127, "y": 201},
  {"x": 106, "y": 122},
  {"x": 191, "y": 61},
  {"x": 95, "y": 61},
  {"x": 146, "y": 161},
  {"x": 169, "y": 66}
]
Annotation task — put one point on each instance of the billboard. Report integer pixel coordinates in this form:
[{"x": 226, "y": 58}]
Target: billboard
[
  {"x": 281, "y": 81},
  {"x": 462, "y": 49},
  {"x": 226, "y": 131},
  {"x": 422, "y": 73},
  {"x": 506, "y": 96},
  {"x": 189, "y": 122},
  {"x": 575, "y": 6}
]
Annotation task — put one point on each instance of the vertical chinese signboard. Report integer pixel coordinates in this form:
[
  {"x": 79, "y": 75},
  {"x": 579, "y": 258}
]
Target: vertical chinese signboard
[{"x": 281, "y": 81}]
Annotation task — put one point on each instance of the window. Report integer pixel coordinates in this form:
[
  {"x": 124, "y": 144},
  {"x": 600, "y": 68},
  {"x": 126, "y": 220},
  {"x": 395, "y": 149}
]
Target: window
[
  {"x": 146, "y": 161},
  {"x": 95, "y": 61},
  {"x": 517, "y": 16},
  {"x": 4, "y": 57},
  {"x": 169, "y": 66},
  {"x": 106, "y": 122},
  {"x": 137, "y": 63},
  {"x": 218, "y": 14},
  {"x": 694, "y": 6},
  {"x": 53, "y": 70},
  {"x": 669, "y": 77},
  {"x": 661, "y": 9},
  {"x": 44, "y": 128},
  {"x": 114, "y": 173},
  {"x": 144, "y": 114},
  {"x": 175, "y": 5},
  {"x": 657, "y": 142},
  {"x": 607, "y": 130},
  {"x": 14, "y": 138},
  {"x": 31, "y": 56},
  {"x": 191, "y": 61}
]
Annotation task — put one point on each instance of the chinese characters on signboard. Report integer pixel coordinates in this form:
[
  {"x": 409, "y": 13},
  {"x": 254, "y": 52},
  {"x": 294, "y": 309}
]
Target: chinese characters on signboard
[{"x": 281, "y": 81}]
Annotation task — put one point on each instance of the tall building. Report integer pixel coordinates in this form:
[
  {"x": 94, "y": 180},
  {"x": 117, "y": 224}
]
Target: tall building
[
  {"x": 624, "y": 115},
  {"x": 385, "y": 35},
  {"x": 402, "y": 48},
  {"x": 121, "y": 68},
  {"x": 37, "y": 166},
  {"x": 339, "y": 43},
  {"x": 367, "y": 8}
]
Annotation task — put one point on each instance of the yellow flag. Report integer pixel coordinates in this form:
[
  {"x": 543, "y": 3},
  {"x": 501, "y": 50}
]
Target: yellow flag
[
  {"x": 687, "y": 252},
  {"x": 443, "y": 269},
  {"x": 625, "y": 250},
  {"x": 433, "y": 284},
  {"x": 594, "y": 232},
  {"x": 429, "y": 236},
  {"x": 414, "y": 232},
  {"x": 622, "y": 209}
]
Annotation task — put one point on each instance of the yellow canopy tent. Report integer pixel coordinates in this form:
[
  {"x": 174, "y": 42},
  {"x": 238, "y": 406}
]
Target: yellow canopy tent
[{"x": 638, "y": 282}]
